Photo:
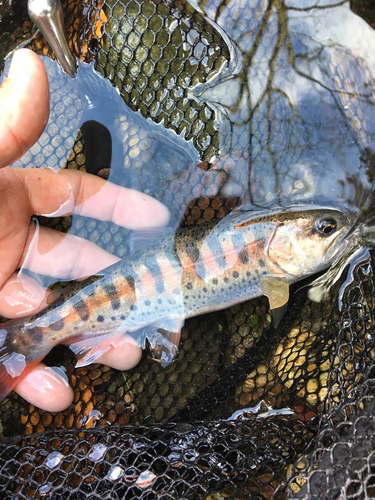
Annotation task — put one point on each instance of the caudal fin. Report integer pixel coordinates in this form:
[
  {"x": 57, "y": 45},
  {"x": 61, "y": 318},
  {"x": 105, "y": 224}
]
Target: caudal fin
[{"x": 13, "y": 366}]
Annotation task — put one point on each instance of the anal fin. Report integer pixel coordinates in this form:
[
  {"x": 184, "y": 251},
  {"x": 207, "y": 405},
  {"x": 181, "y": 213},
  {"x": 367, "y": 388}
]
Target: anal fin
[{"x": 88, "y": 350}]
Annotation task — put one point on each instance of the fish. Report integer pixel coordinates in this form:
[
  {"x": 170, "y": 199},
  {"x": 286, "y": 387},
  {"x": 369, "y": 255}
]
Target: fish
[{"x": 173, "y": 275}]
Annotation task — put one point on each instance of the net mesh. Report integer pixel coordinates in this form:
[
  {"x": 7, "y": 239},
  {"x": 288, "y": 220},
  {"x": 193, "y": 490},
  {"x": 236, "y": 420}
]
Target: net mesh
[{"x": 308, "y": 386}]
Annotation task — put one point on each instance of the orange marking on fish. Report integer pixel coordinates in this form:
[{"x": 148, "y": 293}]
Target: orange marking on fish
[
  {"x": 230, "y": 252},
  {"x": 209, "y": 261},
  {"x": 170, "y": 274},
  {"x": 146, "y": 282}
]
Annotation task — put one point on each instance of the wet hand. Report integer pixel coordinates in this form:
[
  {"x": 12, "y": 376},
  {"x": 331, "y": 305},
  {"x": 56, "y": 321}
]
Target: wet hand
[{"x": 24, "y": 109}]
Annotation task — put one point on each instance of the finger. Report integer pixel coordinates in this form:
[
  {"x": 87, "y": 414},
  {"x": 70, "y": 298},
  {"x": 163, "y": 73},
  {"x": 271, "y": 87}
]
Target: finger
[
  {"x": 23, "y": 296},
  {"x": 46, "y": 389},
  {"x": 14, "y": 222},
  {"x": 124, "y": 355},
  {"x": 68, "y": 191},
  {"x": 62, "y": 255},
  {"x": 24, "y": 105},
  {"x": 34, "y": 191},
  {"x": 49, "y": 390},
  {"x": 54, "y": 254}
]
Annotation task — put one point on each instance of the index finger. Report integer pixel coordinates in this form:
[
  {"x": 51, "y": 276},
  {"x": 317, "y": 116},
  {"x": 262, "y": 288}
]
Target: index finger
[
  {"x": 24, "y": 105},
  {"x": 68, "y": 191},
  {"x": 25, "y": 192}
]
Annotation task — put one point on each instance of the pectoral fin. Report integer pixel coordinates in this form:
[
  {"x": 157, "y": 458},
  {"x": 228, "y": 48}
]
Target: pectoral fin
[
  {"x": 276, "y": 289},
  {"x": 164, "y": 338},
  {"x": 278, "y": 314}
]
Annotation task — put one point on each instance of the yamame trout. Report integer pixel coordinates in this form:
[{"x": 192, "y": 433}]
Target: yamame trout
[{"x": 175, "y": 275}]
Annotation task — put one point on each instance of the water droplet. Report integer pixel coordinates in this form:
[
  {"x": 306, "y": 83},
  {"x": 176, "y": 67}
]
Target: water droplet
[
  {"x": 45, "y": 489},
  {"x": 114, "y": 473},
  {"x": 145, "y": 479},
  {"x": 97, "y": 451},
  {"x": 54, "y": 459}
]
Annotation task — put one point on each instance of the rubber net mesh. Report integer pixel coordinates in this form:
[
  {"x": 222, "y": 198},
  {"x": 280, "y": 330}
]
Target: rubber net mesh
[{"x": 154, "y": 433}]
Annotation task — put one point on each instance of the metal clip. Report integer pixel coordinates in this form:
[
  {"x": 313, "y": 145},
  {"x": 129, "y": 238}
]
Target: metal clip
[{"x": 47, "y": 15}]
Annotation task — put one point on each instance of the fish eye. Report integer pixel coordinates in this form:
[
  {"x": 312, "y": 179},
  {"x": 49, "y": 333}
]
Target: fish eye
[{"x": 325, "y": 226}]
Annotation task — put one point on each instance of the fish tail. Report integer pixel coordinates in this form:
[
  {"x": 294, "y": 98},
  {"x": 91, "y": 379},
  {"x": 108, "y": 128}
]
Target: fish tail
[{"x": 14, "y": 365}]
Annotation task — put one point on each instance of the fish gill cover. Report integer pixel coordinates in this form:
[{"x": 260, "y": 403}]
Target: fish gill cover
[{"x": 267, "y": 104}]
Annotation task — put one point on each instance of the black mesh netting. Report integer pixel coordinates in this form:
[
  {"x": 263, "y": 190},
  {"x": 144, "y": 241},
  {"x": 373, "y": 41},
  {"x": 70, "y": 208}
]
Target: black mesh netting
[
  {"x": 264, "y": 455},
  {"x": 307, "y": 386}
]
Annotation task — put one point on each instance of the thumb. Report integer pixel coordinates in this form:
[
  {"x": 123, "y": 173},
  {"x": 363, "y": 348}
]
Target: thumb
[{"x": 24, "y": 105}]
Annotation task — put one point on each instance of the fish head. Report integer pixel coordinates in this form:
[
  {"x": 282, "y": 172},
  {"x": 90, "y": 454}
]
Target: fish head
[{"x": 307, "y": 241}]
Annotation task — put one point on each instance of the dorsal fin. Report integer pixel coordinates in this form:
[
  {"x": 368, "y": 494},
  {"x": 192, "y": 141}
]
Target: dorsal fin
[{"x": 138, "y": 240}]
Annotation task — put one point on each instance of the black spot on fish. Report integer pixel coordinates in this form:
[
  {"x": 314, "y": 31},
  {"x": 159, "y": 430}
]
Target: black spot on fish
[
  {"x": 261, "y": 262},
  {"x": 147, "y": 303},
  {"x": 243, "y": 256},
  {"x": 122, "y": 318},
  {"x": 215, "y": 281},
  {"x": 186, "y": 297},
  {"x": 189, "y": 285},
  {"x": 82, "y": 310},
  {"x": 160, "y": 301},
  {"x": 226, "y": 279},
  {"x": 248, "y": 273},
  {"x": 57, "y": 325},
  {"x": 205, "y": 289},
  {"x": 235, "y": 274},
  {"x": 113, "y": 318},
  {"x": 100, "y": 319},
  {"x": 133, "y": 307}
]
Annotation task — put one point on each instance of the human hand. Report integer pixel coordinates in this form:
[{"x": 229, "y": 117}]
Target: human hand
[{"x": 24, "y": 110}]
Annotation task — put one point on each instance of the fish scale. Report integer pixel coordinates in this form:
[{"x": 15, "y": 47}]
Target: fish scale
[{"x": 200, "y": 269}]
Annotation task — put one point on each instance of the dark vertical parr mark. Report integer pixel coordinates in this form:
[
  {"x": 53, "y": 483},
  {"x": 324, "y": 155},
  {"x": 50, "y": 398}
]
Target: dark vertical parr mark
[
  {"x": 57, "y": 325},
  {"x": 82, "y": 310},
  {"x": 112, "y": 294},
  {"x": 244, "y": 256},
  {"x": 130, "y": 280},
  {"x": 192, "y": 251}
]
